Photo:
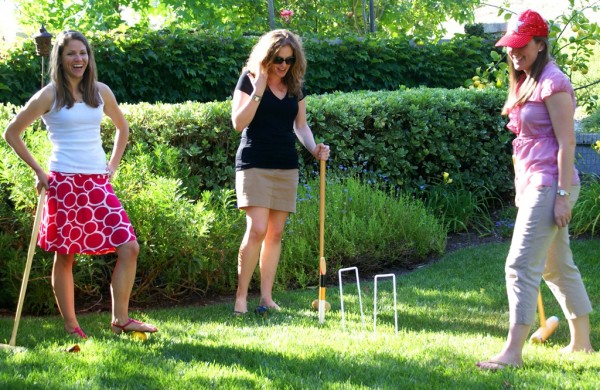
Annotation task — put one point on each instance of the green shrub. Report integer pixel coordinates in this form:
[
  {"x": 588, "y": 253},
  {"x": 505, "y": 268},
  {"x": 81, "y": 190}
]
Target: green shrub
[
  {"x": 586, "y": 213},
  {"x": 410, "y": 137},
  {"x": 591, "y": 123},
  {"x": 40, "y": 298},
  {"x": 189, "y": 237},
  {"x": 190, "y": 246},
  {"x": 19, "y": 199},
  {"x": 364, "y": 227},
  {"x": 175, "y": 66},
  {"x": 475, "y": 29},
  {"x": 201, "y": 132},
  {"x": 461, "y": 209}
]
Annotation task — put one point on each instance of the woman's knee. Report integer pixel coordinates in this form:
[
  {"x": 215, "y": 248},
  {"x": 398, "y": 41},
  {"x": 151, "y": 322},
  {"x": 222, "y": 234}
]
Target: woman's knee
[
  {"x": 257, "y": 224},
  {"x": 129, "y": 250},
  {"x": 64, "y": 260},
  {"x": 256, "y": 231},
  {"x": 275, "y": 233}
]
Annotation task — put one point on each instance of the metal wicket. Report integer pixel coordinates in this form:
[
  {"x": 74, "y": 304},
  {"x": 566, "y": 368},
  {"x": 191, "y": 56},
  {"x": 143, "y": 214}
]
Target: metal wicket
[
  {"x": 362, "y": 316},
  {"x": 381, "y": 276}
]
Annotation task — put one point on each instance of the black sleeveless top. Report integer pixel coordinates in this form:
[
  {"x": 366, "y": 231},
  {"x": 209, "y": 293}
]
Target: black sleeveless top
[{"x": 269, "y": 140}]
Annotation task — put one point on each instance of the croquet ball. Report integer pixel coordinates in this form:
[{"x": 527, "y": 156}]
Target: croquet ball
[
  {"x": 262, "y": 311},
  {"x": 140, "y": 336},
  {"x": 315, "y": 305}
]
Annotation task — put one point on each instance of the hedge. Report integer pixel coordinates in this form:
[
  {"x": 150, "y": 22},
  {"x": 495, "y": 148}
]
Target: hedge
[
  {"x": 178, "y": 152},
  {"x": 410, "y": 137},
  {"x": 179, "y": 65}
]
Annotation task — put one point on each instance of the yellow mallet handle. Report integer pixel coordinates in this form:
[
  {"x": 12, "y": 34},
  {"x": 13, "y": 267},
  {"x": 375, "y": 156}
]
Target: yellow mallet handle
[
  {"x": 30, "y": 253},
  {"x": 322, "y": 264},
  {"x": 541, "y": 310}
]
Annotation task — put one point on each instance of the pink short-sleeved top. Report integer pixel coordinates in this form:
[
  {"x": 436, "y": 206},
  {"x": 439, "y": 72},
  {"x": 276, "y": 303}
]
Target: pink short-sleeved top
[{"x": 536, "y": 148}]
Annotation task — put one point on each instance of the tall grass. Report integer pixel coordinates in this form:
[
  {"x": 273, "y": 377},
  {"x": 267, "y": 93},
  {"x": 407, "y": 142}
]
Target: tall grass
[
  {"x": 364, "y": 226},
  {"x": 461, "y": 209},
  {"x": 586, "y": 213}
]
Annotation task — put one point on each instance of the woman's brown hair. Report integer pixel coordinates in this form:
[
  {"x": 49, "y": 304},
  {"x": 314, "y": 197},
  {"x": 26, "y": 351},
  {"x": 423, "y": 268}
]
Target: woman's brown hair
[
  {"x": 266, "y": 50},
  {"x": 518, "y": 94},
  {"x": 87, "y": 87}
]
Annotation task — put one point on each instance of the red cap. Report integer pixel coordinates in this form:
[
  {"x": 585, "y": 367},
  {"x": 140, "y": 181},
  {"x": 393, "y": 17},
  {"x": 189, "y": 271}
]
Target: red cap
[{"x": 530, "y": 24}]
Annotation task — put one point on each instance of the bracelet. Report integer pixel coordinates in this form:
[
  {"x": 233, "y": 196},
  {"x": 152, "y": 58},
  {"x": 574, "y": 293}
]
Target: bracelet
[{"x": 256, "y": 98}]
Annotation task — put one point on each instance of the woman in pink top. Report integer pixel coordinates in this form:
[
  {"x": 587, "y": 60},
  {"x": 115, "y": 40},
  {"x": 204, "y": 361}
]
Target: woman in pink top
[
  {"x": 82, "y": 213},
  {"x": 540, "y": 106}
]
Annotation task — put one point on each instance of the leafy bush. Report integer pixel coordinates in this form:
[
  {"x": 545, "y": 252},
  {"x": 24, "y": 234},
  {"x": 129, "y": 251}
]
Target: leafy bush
[
  {"x": 591, "y": 123},
  {"x": 586, "y": 213},
  {"x": 410, "y": 137},
  {"x": 190, "y": 246},
  {"x": 201, "y": 132},
  {"x": 189, "y": 237},
  {"x": 386, "y": 146},
  {"x": 175, "y": 66},
  {"x": 474, "y": 29},
  {"x": 364, "y": 226},
  {"x": 17, "y": 184},
  {"x": 461, "y": 209},
  {"x": 177, "y": 252}
]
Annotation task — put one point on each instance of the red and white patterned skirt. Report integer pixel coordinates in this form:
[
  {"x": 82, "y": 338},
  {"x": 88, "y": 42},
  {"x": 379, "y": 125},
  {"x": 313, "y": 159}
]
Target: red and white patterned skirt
[{"x": 82, "y": 214}]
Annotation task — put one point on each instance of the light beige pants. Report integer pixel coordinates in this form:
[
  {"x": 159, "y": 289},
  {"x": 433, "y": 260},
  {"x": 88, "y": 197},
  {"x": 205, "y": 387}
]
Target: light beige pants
[{"x": 540, "y": 249}]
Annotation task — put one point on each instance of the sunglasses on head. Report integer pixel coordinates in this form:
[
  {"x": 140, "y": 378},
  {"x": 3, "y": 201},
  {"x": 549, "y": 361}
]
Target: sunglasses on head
[{"x": 280, "y": 60}]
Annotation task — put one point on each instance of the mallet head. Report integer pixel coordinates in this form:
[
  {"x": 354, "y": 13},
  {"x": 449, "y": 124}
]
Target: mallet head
[{"x": 544, "y": 332}]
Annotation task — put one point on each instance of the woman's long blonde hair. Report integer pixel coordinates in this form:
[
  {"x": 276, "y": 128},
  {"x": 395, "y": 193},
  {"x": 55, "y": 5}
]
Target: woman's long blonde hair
[
  {"x": 87, "y": 87},
  {"x": 266, "y": 50},
  {"x": 519, "y": 94}
]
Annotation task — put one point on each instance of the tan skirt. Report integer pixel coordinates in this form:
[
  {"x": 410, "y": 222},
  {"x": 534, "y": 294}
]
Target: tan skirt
[{"x": 269, "y": 188}]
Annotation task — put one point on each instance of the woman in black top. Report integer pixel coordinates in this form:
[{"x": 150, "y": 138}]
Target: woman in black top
[{"x": 269, "y": 110}]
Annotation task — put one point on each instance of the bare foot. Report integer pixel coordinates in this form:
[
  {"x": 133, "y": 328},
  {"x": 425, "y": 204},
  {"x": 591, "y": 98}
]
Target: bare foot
[
  {"x": 500, "y": 362},
  {"x": 240, "y": 306},
  {"x": 577, "y": 348},
  {"x": 271, "y": 305},
  {"x": 493, "y": 365}
]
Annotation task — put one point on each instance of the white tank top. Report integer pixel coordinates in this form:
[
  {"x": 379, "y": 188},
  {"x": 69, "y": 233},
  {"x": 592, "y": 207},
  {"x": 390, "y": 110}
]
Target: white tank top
[{"x": 75, "y": 137}]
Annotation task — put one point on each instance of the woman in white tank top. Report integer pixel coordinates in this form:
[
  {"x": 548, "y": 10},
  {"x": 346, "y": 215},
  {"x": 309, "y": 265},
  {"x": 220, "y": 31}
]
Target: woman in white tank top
[{"x": 81, "y": 213}]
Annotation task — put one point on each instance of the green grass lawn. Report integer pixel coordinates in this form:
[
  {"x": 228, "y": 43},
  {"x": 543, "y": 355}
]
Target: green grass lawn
[{"x": 451, "y": 314}]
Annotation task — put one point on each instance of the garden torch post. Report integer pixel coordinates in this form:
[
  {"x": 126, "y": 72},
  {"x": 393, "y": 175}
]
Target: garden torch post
[{"x": 43, "y": 41}]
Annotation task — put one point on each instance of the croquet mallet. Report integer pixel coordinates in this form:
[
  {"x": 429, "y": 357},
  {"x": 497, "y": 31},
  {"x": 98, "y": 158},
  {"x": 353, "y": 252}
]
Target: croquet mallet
[
  {"x": 322, "y": 264},
  {"x": 31, "y": 251},
  {"x": 547, "y": 326}
]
